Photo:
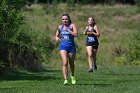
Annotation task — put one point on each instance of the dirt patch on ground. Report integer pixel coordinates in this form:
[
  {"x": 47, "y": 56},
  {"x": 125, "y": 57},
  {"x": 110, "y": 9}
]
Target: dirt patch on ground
[
  {"x": 135, "y": 18},
  {"x": 120, "y": 18}
]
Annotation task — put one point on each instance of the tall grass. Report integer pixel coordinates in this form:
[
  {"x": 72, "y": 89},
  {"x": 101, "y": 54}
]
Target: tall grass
[{"x": 114, "y": 22}]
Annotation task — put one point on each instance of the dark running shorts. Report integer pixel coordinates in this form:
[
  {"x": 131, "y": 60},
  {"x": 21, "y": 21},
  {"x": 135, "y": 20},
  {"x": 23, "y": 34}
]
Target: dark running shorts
[{"x": 94, "y": 46}]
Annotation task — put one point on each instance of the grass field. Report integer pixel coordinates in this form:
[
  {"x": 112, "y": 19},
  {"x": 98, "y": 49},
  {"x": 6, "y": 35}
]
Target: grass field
[
  {"x": 105, "y": 80},
  {"x": 112, "y": 76}
]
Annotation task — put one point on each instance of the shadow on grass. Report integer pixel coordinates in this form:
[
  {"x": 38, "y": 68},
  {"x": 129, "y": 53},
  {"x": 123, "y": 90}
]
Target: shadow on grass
[
  {"x": 25, "y": 75},
  {"x": 100, "y": 85},
  {"x": 124, "y": 74}
]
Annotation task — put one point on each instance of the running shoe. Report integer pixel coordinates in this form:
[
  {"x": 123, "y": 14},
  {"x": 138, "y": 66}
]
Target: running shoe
[
  {"x": 73, "y": 80},
  {"x": 90, "y": 70},
  {"x": 95, "y": 67},
  {"x": 65, "y": 82}
]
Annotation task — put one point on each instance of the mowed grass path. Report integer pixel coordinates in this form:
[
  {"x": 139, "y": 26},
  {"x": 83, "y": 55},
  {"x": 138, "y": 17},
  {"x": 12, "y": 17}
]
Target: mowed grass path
[{"x": 105, "y": 80}]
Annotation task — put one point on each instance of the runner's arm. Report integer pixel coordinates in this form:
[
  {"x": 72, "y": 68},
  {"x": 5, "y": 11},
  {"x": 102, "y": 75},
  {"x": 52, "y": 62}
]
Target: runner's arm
[
  {"x": 85, "y": 32},
  {"x": 97, "y": 33},
  {"x": 57, "y": 35},
  {"x": 74, "y": 30}
]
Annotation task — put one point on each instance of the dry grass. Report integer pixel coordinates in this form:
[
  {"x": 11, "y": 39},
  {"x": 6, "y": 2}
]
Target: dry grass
[{"x": 113, "y": 21}]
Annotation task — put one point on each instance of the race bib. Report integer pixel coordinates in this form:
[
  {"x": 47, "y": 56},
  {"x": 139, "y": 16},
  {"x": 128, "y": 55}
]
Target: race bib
[
  {"x": 66, "y": 37},
  {"x": 91, "y": 39}
]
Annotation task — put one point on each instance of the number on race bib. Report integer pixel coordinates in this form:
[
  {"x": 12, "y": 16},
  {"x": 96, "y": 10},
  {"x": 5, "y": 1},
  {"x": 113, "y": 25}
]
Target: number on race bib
[
  {"x": 91, "y": 39},
  {"x": 66, "y": 37}
]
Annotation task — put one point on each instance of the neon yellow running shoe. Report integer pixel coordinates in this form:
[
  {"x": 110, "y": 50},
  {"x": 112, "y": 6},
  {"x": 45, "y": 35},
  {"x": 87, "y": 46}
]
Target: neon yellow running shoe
[
  {"x": 65, "y": 82},
  {"x": 73, "y": 80}
]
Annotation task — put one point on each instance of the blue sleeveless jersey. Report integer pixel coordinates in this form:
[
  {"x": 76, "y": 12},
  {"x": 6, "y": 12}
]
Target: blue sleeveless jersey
[{"x": 67, "y": 38}]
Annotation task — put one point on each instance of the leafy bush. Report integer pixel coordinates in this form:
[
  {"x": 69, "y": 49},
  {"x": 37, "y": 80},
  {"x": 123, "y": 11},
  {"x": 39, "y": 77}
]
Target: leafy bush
[
  {"x": 138, "y": 5},
  {"x": 11, "y": 19},
  {"x": 132, "y": 47},
  {"x": 20, "y": 46}
]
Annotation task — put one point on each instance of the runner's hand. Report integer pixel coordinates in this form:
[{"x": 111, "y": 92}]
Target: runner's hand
[{"x": 57, "y": 39}]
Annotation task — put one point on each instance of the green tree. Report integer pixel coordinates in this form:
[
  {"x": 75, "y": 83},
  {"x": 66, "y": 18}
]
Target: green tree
[{"x": 19, "y": 45}]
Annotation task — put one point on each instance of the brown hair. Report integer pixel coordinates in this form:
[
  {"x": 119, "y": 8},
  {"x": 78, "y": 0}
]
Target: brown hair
[
  {"x": 68, "y": 17},
  {"x": 92, "y": 19}
]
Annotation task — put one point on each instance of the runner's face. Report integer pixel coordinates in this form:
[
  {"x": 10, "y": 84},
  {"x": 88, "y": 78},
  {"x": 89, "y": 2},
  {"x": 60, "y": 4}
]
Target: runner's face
[
  {"x": 65, "y": 20},
  {"x": 90, "y": 21}
]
